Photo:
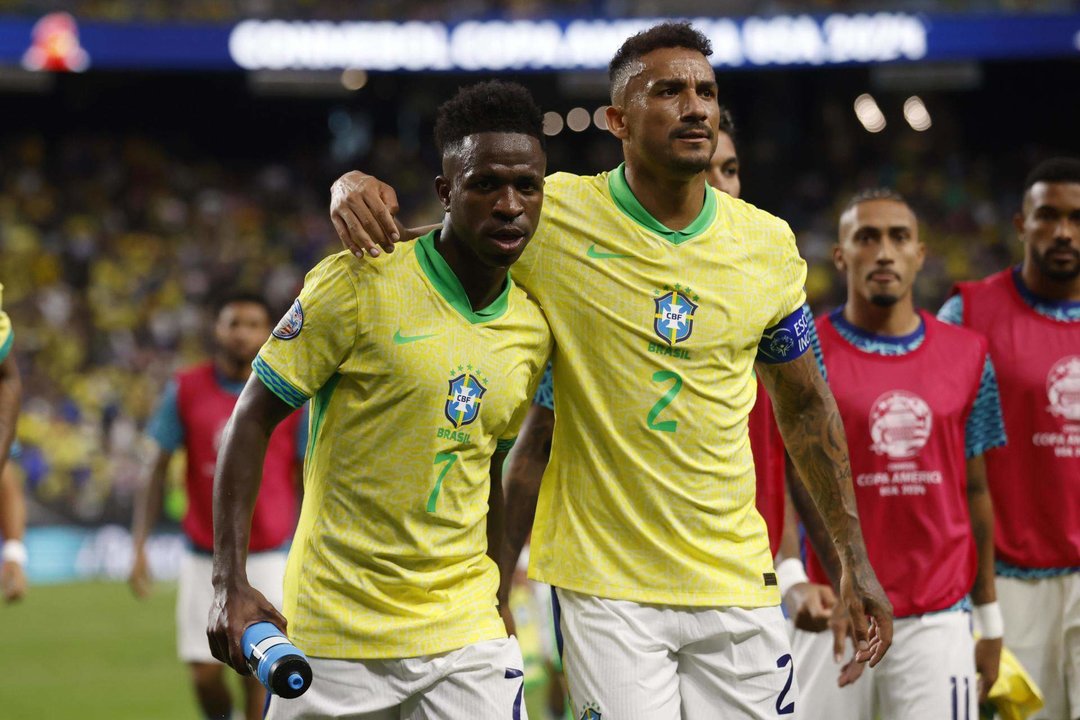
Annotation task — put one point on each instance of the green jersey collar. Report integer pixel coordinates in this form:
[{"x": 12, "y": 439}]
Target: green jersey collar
[
  {"x": 629, "y": 205},
  {"x": 449, "y": 286}
]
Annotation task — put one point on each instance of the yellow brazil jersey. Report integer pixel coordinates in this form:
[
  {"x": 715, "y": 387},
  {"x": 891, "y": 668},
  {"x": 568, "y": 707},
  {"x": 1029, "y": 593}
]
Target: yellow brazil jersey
[
  {"x": 413, "y": 393},
  {"x": 7, "y": 336},
  {"x": 649, "y": 493}
]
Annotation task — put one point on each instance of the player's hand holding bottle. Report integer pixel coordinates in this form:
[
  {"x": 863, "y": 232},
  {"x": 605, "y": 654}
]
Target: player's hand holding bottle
[{"x": 236, "y": 606}]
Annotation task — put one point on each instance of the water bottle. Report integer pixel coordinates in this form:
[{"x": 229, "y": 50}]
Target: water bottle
[{"x": 281, "y": 667}]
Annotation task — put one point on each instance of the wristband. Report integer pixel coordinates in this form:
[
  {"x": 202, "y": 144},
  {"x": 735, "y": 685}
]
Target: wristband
[
  {"x": 988, "y": 621},
  {"x": 14, "y": 551},
  {"x": 789, "y": 573}
]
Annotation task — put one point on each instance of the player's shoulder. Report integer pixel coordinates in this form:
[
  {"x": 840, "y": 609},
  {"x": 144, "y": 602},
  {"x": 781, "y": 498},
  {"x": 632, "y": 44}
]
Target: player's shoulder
[
  {"x": 562, "y": 189},
  {"x": 739, "y": 214},
  {"x": 987, "y": 283},
  {"x": 958, "y": 335}
]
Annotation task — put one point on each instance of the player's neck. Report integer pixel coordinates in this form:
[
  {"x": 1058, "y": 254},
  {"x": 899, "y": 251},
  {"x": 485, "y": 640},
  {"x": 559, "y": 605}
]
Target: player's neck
[
  {"x": 230, "y": 369},
  {"x": 1048, "y": 288},
  {"x": 482, "y": 284},
  {"x": 895, "y": 320},
  {"x": 674, "y": 200}
]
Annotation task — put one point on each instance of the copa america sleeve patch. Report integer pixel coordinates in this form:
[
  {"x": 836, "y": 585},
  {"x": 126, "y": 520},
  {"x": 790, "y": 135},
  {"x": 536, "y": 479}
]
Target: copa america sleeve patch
[
  {"x": 787, "y": 340},
  {"x": 291, "y": 323}
]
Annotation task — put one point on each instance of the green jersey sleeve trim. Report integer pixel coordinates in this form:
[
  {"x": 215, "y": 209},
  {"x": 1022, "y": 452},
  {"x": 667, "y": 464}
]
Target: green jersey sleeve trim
[
  {"x": 5, "y": 349},
  {"x": 629, "y": 205},
  {"x": 505, "y": 445},
  {"x": 449, "y": 286},
  {"x": 277, "y": 384}
]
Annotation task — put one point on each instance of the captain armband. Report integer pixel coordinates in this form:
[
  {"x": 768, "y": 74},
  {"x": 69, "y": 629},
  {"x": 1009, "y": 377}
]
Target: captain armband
[{"x": 787, "y": 340}]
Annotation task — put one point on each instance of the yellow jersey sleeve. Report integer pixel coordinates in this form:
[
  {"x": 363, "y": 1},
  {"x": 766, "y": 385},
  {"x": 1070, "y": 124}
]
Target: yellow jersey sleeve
[
  {"x": 790, "y": 273},
  {"x": 318, "y": 332}
]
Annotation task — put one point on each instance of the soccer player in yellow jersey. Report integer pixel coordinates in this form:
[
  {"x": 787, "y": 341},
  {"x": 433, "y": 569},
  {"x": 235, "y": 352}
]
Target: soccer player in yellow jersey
[
  {"x": 419, "y": 367},
  {"x": 12, "y": 505},
  {"x": 663, "y": 295}
]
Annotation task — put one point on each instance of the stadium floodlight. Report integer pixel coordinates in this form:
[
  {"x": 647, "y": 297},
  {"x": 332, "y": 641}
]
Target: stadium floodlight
[
  {"x": 553, "y": 123},
  {"x": 354, "y": 78},
  {"x": 599, "y": 117},
  {"x": 869, "y": 114},
  {"x": 916, "y": 114},
  {"x": 578, "y": 119}
]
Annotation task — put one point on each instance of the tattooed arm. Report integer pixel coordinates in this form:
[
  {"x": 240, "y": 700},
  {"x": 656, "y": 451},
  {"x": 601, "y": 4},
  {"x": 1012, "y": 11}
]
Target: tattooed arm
[{"x": 814, "y": 436}]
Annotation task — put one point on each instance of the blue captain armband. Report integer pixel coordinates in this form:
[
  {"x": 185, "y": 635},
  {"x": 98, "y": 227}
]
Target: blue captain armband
[{"x": 788, "y": 339}]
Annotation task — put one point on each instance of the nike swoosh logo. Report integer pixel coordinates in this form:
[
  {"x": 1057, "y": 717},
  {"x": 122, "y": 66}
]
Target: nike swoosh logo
[
  {"x": 601, "y": 255},
  {"x": 400, "y": 339}
]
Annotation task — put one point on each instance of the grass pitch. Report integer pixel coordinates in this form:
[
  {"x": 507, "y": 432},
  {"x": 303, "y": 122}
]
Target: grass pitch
[{"x": 92, "y": 650}]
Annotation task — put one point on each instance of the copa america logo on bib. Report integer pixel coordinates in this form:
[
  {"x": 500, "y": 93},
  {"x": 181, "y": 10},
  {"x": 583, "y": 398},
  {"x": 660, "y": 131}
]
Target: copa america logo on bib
[
  {"x": 674, "y": 318},
  {"x": 1063, "y": 388},
  {"x": 900, "y": 424},
  {"x": 291, "y": 324},
  {"x": 463, "y": 401}
]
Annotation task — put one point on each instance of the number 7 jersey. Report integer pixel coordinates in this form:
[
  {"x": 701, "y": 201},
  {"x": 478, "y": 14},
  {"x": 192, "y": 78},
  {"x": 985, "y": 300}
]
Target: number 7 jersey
[
  {"x": 413, "y": 392},
  {"x": 649, "y": 492}
]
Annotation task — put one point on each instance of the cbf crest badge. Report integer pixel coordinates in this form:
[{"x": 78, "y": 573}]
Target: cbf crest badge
[
  {"x": 675, "y": 311},
  {"x": 464, "y": 398}
]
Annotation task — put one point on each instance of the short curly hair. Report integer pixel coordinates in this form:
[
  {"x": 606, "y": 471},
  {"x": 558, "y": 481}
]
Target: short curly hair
[
  {"x": 492, "y": 106},
  {"x": 665, "y": 35},
  {"x": 1054, "y": 170}
]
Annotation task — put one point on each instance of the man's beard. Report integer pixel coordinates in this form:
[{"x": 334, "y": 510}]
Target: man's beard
[
  {"x": 1056, "y": 274},
  {"x": 884, "y": 300}
]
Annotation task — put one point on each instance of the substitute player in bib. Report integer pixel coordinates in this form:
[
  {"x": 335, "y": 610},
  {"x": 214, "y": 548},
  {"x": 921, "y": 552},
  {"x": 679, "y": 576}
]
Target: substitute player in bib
[
  {"x": 920, "y": 407},
  {"x": 808, "y": 603},
  {"x": 192, "y": 415},
  {"x": 421, "y": 367},
  {"x": 1031, "y": 317},
  {"x": 661, "y": 293},
  {"x": 13, "y": 554}
]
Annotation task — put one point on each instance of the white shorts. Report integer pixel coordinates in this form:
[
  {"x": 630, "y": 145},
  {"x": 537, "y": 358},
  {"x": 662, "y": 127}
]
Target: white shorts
[
  {"x": 1042, "y": 629},
  {"x": 629, "y": 661},
  {"x": 482, "y": 681},
  {"x": 929, "y": 672},
  {"x": 195, "y": 594}
]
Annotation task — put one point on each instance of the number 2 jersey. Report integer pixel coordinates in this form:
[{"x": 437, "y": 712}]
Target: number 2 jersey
[
  {"x": 649, "y": 492},
  {"x": 413, "y": 392}
]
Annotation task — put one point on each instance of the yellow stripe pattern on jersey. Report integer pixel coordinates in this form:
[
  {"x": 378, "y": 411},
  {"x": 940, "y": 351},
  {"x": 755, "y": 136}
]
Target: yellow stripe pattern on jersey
[
  {"x": 649, "y": 493},
  {"x": 413, "y": 394}
]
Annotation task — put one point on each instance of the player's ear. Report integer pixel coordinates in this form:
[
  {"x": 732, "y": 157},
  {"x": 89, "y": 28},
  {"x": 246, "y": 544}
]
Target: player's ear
[
  {"x": 616, "y": 121},
  {"x": 838, "y": 259},
  {"x": 442, "y": 189},
  {"x": 1018, "y": 223}
]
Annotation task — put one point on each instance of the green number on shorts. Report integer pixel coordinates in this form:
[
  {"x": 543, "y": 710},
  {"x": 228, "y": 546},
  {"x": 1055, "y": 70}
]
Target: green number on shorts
[
  {"x": 667, "y": 425},
  {"x": 449, "y": 459}
]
